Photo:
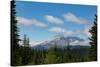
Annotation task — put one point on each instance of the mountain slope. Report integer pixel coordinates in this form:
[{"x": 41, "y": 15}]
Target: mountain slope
[{"x": 59, "y": 41}]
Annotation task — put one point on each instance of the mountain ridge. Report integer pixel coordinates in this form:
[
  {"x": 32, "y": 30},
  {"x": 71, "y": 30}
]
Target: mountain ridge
[{"x": 59, "y": 41}]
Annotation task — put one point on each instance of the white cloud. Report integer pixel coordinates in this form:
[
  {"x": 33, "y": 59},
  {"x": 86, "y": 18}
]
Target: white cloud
[
  {"x": 29, "y": 22},
  {"x": 85, "y": 42},
  {"x": 86, "y": 30},
  {"x": 61, "y": 30},
  {"x": 34, "y": 43},
  {"x": 24, "y": 21},
  {"x": 69, "y": 33},
  {"x": 53, "y": 19},
  {"x": 75, "y": 19},
  {"x": 38, "y": 23},
  {"x": 81, "y": 43},
  {"x": 74, "y": 42},
  {"x": 20, "y": 43},
  {"x": 57, "y": 30}
]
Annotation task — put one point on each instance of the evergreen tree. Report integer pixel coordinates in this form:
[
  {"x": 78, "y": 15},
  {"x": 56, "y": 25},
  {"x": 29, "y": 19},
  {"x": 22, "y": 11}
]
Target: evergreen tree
[
  {"x": 93, "y": 40},
  {"x": 28, "y": 42},
  {"x": 67, "y": 54},
  {"x": 50, "y": 56},
  {"x": 15, "y": 57},
  {"x": 24, "y": 41},
  {"x": 26, "y": 51}
]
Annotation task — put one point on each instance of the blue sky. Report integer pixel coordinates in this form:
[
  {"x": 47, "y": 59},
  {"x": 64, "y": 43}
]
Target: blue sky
[{"x": 41, "y": 21}]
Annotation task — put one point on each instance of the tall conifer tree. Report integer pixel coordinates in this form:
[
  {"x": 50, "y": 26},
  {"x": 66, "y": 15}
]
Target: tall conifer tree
[
  {"x": 14, "y": 37},
  {"x": 93, "y": 40}
]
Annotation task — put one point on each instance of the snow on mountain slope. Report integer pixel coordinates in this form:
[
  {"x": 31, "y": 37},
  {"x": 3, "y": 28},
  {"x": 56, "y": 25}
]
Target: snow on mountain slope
[{"x": 59, "y": 41}]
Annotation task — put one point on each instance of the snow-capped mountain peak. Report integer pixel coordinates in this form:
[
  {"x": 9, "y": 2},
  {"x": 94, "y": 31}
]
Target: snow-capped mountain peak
[{"x": 59, "y": 41}]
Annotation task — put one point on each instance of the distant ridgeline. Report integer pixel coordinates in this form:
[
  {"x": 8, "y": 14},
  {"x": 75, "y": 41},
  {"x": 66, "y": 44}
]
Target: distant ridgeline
[{"x": 61, "y": 42}]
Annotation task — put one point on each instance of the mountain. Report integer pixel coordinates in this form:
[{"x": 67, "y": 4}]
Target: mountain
[{"x": 59, "y": 41}]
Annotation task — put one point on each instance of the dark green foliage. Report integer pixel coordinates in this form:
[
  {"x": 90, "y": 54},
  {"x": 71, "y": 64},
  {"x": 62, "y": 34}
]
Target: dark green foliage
[
  {"x": 15, "y": 58},
  {"x": 93, "y": 41},
  {"x": 26, "y": 55},
  {"x": 20, "y": 55},
  {"x": 51, "y": 56},
  {"x": 25, "y": 51},
  {"x": 58, "y": 55},
  {"x": 25, "y": 41},
  {"x": 67, "y": 54}
]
